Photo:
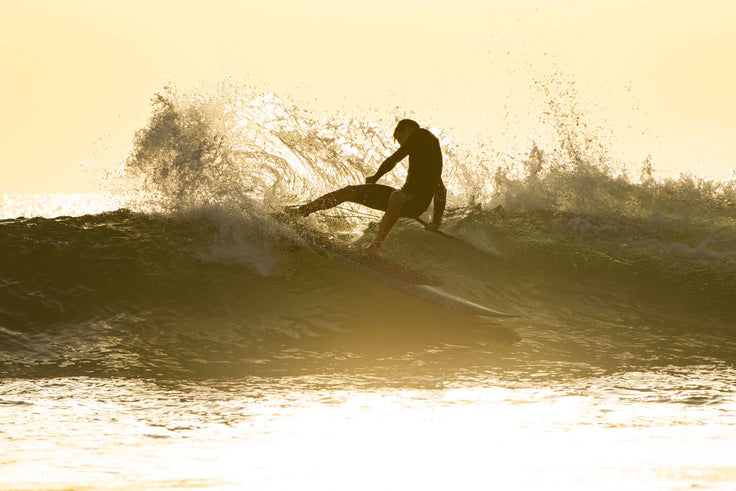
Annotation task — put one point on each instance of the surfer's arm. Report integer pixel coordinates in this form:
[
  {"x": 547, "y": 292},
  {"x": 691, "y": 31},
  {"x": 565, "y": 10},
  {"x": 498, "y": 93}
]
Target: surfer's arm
[
  {"x": 389, "y": 164},
  {"x": 440, "y": 200}
]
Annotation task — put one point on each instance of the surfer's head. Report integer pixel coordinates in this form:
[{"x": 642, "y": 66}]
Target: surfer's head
[{"x": 405, "y": 128}]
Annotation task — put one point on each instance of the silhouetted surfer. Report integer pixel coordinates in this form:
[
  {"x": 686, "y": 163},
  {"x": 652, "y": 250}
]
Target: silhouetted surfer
[{"x": 423, "y": 183}]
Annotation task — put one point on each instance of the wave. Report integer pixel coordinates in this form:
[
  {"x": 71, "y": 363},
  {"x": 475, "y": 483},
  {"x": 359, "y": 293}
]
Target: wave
[
  {"x": 251, "y": 153},
  {"x": 192, "y": 277},
  {"x": 130, "y": 293}
]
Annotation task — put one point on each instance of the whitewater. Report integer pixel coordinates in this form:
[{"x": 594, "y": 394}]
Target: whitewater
[{"x": 167, "y": 334}]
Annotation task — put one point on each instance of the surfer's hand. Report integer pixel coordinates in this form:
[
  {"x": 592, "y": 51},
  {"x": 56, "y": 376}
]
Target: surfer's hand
[
  {"x": 371, "y": 180},
  {"x": 431, "y": 226}
]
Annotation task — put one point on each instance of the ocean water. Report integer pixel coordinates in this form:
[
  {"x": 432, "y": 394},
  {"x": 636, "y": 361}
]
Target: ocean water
[{"x": 166, "y": 334}]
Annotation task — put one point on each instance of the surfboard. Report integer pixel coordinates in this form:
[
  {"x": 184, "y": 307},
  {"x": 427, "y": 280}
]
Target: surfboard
[{"x": 386, "y": 271}]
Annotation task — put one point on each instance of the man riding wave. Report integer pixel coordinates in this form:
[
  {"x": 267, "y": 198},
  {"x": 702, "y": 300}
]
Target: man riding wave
[{"x": 423, "y": 184}]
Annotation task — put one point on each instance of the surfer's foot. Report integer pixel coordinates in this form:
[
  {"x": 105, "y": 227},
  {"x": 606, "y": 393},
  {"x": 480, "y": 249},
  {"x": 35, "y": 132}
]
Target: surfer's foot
[
  {"x": 369, "y": 251},
  {"x": 293, "y": 212}
]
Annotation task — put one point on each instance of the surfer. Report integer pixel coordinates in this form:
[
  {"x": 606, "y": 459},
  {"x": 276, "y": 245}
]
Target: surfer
[{"x": 423, "y": 184}]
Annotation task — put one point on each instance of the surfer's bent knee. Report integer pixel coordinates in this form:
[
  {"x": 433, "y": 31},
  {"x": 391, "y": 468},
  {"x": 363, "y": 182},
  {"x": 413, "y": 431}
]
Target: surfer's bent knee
[{"x": 398, "y": 197}]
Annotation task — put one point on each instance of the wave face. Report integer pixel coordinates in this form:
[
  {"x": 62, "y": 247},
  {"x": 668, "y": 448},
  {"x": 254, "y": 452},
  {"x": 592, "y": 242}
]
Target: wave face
[{"x": 192, "y": 278}]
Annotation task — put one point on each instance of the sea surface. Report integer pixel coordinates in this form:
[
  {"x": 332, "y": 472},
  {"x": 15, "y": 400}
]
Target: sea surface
[{"x": 166, "y": 333}]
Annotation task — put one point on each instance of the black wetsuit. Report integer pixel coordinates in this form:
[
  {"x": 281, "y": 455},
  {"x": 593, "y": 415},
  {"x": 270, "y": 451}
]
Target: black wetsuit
[
  {"x": 423, "y": 181},
  {"x": 425, "y": 170}
]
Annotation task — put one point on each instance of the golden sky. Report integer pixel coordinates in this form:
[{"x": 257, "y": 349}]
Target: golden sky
[{"x": 78, "y": 74}]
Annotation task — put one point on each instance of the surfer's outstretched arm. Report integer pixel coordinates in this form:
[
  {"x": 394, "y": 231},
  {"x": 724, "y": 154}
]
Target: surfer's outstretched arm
[
  {"x": 389, "y": 164},
  {"x": 440, "y": 200}
]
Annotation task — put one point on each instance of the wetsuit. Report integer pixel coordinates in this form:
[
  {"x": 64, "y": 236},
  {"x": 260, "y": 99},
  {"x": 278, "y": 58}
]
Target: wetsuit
[
  {"x": 424, "y": 178},
  {"x": 423, "y": 181}
]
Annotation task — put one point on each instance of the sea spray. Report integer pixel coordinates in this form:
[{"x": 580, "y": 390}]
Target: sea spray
[{"x": 567, "y": 202}]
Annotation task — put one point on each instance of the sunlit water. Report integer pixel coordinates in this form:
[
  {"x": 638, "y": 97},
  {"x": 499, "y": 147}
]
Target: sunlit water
[
  {"x": 54, "y": 205},
  {"x": 670, "y": 430}
]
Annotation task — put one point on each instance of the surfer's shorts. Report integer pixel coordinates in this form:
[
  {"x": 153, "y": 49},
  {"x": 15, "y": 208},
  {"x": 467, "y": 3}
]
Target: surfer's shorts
[{"x": 376, "y": 196}]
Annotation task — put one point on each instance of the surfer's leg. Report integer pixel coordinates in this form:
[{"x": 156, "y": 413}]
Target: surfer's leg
[
  {"x": 396, "y": 202},
  {"x": 414, "y": 205},
  {"x": 374, "y": 196}
]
